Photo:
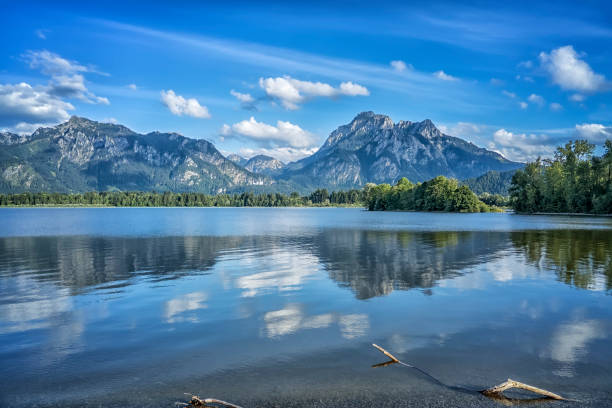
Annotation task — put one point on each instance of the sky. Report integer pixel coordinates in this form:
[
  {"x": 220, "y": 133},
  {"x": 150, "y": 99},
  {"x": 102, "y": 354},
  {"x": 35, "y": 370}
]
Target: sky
[{"x": 276, "y": 77}]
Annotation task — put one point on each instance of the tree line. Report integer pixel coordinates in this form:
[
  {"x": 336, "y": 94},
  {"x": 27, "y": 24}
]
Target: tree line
[
  {"x": 573, "y": 181},
  {"x": 437, "y": 194},
  {"x": 320, "y": 197}
]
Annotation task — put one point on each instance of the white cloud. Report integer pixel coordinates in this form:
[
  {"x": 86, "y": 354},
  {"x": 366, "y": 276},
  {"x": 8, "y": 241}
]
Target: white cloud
[
  {"x": 242, "y": 97},
  {"x": 41, "y": 33},
  {"x": 351, "y": 89},
  {"x": 509, "y": 94},
  {"x": 524, "y": 78},
  {"x": 285, "y": 154},
  {"x": 521, "y": 146},
  {"x": 537, "y": 99},
  {"x": 576, "y": 97},
  {"x": 594, "y": 132},
  {"x": 444, "y": 76},
  {"x": 24, "y": 103},
  {"x": 180, "y": 106},
  {"x": 460, "y": 129},
  {"x": 398, "y": 65},
  {"x": 526, "y": 64},
  {"x": 555, "y": 107},
  {"x": 133, "y": 87},
  {"x": 523, "y": 105},
  {"x": 570, "y": 72},
  {"x": 67, "y": 80},
  {"x": 496, "y": 81},
  {"x": 23, "y": 128},
  {"x": 292, "y": 92},
  {"x": 284, "y": 134},
  {"x": 50, "y": 63}
]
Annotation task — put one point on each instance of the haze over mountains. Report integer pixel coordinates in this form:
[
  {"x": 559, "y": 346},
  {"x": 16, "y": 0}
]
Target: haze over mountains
[{"x": 83, "y": 155}]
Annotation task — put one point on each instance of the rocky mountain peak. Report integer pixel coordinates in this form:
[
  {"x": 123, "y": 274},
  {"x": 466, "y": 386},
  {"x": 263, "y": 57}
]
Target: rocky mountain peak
[
  {"x": 371, "y": 119},
  {"x": 239, "y": 160},
  {"x": 427, "y": 129},
  {"x": 8, "y": 138},
  {"x": 264, "y": 164}
]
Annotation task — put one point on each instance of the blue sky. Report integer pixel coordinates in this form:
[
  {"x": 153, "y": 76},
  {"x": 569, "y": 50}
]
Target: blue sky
[{"x": 277, "y": 78}]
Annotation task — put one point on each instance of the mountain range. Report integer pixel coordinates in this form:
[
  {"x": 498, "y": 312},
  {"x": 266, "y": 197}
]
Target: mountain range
[{"x": 83, "y": 155}]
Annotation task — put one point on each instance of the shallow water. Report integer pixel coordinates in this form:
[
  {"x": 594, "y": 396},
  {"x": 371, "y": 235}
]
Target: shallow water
[{"x": 278, "y": 307}]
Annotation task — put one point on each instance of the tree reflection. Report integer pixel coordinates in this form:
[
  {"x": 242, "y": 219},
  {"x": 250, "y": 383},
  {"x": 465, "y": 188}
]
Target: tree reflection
[{"x": 580, "y": 258}]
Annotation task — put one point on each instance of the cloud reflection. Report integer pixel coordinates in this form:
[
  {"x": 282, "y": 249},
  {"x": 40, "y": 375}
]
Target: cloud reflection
[
  {"x": 175, "y": 309},
  {"x": 291, "y": 319},
  {"x": 570, "y": 343}
]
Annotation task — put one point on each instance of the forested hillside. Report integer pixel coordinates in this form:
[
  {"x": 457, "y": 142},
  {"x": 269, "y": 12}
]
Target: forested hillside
[{"x": 574, "y": 181}]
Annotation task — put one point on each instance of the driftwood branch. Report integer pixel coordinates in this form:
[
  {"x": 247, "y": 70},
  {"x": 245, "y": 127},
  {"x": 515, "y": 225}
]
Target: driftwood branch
[
  {"x": 495, "y": 392},
  {"x": 210, "y": 402},
  {"x": 386, "y": 353},
  {"x": 506, "y": 385}
]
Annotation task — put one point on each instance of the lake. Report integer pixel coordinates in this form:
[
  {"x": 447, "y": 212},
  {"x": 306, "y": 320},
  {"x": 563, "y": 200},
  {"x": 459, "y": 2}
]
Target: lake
[{"x": 126, "y": 307}]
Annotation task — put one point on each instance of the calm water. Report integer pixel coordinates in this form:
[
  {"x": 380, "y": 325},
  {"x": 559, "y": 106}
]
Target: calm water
[{"x": 278, "y": 307}]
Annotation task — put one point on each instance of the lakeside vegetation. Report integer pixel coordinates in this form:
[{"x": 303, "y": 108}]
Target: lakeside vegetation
[
  {"x": 574, "y": 181},
  {"x": 437, "y": 194},
  {"x": 319, "y": 197}
]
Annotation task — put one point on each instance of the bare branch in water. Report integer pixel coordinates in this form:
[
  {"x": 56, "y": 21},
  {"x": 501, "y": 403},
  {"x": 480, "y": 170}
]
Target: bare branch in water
[{"x": 493, "y": 392}]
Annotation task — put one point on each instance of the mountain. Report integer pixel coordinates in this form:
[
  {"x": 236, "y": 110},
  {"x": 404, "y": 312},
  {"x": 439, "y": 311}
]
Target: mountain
[
  {"x": 262, "y": 164},
  {"x": 371, "y": 148},
  {"x": 493, "y": 182},
  {"x": 8, "y": 138},
  {"x": 239, "y": 160},
  {"x": 83, "y": 155}
]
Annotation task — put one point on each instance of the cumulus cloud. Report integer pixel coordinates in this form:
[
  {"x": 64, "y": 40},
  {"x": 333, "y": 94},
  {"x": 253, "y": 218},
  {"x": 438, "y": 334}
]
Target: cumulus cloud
[
  {"x": 23, "y": 128},
  {"x": 292, "y": 92},
  {"x": 576, "y": 98},
  {"x": 444, "y": 76},
  {"x": 594, "y": 132},
  {"x": 284, "y": 134},
  {"x": 242, "y": 97},
  {"x": 180, "y": 106},
  {"x": 570, "y": 72},
  {"x": 399, "y": 65},
  {"x": 24, "y": 103},
  {"x": 352, "y": 89},
  {"x": 133, "y": 87},
  {"x": 521, "y": 146},
  {"x": 555, "y": 107},
  {"x": 509, "y": 94},
  {"x": 523, "y": 105},
  {"x": 284, "y": 154},
  {"x": 537, "y": 99},
  {"x": 67, "y": 80}
]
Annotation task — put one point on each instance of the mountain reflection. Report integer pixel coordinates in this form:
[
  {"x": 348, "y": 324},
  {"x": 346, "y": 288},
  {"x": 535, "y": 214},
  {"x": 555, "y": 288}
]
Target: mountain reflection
[
  {"x": 580, "y": 258},
  {"x": 374, "y": 263},
  {"x": 369, "y": 263}
]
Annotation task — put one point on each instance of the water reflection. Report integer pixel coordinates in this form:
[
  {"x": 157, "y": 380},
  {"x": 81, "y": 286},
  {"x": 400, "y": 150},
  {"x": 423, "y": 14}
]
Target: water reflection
[
  {"x": 374, "y": 263},
  {"x": 369, "y": 263},
  {"x": 108, "y": 309},
  {"x": 580, "y": 258},
  {"x": 176, "y": 309}
]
